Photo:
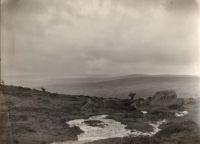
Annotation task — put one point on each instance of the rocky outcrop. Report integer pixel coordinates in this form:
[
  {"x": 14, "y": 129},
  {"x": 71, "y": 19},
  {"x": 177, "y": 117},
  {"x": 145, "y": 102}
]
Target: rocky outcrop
[{"x": 166, "y": 98}]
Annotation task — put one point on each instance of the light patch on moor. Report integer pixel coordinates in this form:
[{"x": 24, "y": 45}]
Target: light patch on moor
[
  {"x": 112, "y": 129},
  {"x": 181, "y": 114},
  {"x": 144, "y": 112}
]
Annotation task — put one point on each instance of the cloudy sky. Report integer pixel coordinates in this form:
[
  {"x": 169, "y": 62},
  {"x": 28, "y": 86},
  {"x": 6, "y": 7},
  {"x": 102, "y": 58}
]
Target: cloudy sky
[{"x": 84, "y": 37}]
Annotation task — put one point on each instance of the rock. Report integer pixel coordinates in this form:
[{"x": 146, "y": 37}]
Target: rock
[
  {"x": 95, "y": 123},
  {"x": 190, "y": 101},
  {"x": 176, "y": 107},
  {"x": 134, "y": 105},
  {"x": 134, "y": 114},
  {"x": 159, "y": 112},
  {"x": 165, "y": 98}
]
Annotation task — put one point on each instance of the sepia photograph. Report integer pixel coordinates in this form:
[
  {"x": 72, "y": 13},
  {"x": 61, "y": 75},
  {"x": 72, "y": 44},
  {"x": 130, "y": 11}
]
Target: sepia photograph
[{"x": 99, "y": 71}]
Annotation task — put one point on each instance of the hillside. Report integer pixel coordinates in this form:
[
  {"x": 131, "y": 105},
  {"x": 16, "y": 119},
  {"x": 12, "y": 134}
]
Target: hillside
[{"x": 39, "y": 117}]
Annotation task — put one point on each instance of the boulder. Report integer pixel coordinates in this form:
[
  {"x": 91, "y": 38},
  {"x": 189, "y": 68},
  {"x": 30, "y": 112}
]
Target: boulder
[
  {"x": 190, "y": 101},
  {"x": 165, "y": 98}
]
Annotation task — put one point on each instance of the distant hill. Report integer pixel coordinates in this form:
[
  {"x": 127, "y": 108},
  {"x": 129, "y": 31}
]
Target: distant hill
[{"x": 143, "y": 85}]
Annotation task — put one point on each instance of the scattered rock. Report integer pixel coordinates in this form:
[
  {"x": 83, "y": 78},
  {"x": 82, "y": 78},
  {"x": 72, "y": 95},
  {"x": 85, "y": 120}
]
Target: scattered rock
[
  {"x": 95, "y": 123},
  {"x": 176, "y": 107},
  {"x": 134, "y": 114},
  {"x": 190, "y": 101},
  {"x": 158, "y": 112}
]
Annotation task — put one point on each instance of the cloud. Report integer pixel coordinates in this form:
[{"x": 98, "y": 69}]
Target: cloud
[
  {"x": 69, "y": 37},
  {"x": 182, "y": 5}
]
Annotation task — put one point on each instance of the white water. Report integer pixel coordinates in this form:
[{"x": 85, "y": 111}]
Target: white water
[{"x": 112, "y": 129}]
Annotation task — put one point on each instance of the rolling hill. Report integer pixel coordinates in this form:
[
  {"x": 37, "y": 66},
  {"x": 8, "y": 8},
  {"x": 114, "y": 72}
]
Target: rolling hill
[{"x": 120, "y": 87}]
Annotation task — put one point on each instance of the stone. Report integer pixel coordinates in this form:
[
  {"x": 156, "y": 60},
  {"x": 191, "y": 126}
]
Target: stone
[{"x": 165, "y": 98}]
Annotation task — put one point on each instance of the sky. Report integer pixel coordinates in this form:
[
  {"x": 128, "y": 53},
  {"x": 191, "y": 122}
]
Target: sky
[{"x": 68, "y": 38}]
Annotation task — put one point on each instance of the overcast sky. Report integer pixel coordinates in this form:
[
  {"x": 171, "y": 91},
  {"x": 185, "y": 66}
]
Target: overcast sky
[{"x": 83, "y": 37}]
